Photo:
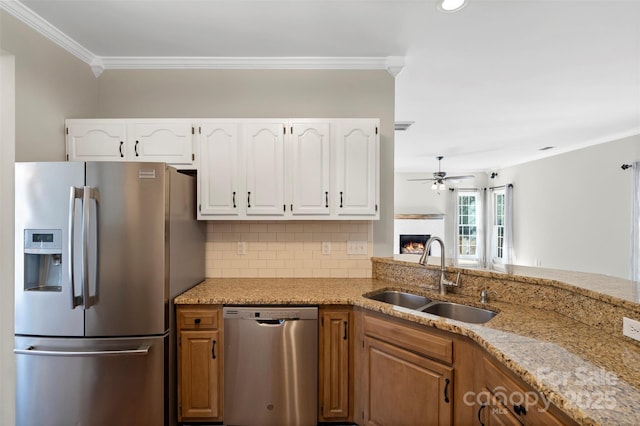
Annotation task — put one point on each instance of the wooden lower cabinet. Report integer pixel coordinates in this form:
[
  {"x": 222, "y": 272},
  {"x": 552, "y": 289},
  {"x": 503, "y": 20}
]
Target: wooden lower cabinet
[
  {"x": 507, "y": 400},
  {"x": 335, "y": 367},
  {"x": 200, "y": 346},
  {"x": 404, "y": 388},
  {"x": 409, "y": 374}
]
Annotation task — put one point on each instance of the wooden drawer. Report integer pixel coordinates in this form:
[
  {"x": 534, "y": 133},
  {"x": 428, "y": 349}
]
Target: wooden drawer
[
  {"x": 197, "y": 317},
  {"x": 420, "y": 341},
  {"x": 523, "y": 402}
]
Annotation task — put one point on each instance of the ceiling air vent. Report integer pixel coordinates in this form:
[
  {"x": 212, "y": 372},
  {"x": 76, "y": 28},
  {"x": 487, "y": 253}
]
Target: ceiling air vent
[{"x": 401, "y": 126}]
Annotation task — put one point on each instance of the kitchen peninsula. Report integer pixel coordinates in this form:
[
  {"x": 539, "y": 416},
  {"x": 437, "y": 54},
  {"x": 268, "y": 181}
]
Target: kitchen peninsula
[{"x": 560, "y": 340}]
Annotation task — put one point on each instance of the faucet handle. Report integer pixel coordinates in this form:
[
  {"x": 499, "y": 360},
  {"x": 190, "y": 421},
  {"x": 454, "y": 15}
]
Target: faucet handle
[
  {"x": 484, "y": 295},
  {"x": 453, "y": 283}
]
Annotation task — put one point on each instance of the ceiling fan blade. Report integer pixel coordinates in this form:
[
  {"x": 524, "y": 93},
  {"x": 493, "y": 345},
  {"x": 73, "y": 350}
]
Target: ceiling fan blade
[
  {"x": 420, "y": 179},
  {"x": 459, "y": 177}
]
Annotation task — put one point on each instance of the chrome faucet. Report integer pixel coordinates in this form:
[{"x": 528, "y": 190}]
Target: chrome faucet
[{"x": 444, "y": 282}]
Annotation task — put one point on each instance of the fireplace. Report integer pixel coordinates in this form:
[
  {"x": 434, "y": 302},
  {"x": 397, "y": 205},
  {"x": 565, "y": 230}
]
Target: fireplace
[{"x": 413, "y": 243}]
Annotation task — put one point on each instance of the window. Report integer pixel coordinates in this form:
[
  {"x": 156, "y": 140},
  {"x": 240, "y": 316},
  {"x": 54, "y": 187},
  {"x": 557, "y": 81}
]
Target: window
[
  {"x": 468, "y": 224},
  {"x": 498, "y": 225}
]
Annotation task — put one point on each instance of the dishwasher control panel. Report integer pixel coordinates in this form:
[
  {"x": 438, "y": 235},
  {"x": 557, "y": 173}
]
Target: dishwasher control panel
[{"x": 275, "y": 313}]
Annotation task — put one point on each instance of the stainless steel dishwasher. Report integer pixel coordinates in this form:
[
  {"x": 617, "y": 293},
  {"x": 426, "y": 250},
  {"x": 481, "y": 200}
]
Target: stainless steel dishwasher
[{"x": 270, "y": 366}]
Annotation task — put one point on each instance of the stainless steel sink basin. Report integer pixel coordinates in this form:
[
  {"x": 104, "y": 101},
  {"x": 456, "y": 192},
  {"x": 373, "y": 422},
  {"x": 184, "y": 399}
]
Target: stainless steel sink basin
[
  {"x": 459, "y": 312},
  {"x": 401, "y": 298}
]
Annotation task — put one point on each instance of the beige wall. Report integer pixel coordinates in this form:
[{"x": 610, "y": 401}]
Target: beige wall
[
  {"x": 269, "y": 93},
  {"x": 51, "y": 85}
]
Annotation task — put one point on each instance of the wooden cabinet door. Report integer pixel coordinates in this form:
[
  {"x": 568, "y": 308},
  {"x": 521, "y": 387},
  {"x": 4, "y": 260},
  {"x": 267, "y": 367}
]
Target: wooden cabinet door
[
  {"x": 357, "y": 168},
  {"x": 264, "y": 164},
  {"x": 199, "y": 366},
  {"x": 403, "y": 388},
  {"x": 219, "y": 172},
  {"x": 493, "y": 413},
  {"x": 309, "y": 163},
  {"x": 103, "y": 140},
  {"x": 163, "y": 141},
  {"x": 335, "y": 358}
]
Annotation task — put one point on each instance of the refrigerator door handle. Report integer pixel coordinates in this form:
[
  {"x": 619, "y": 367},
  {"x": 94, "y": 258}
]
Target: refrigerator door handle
[
  {"x": 89, "y": 194},
  {"x": 75, "y": 193},
  {"x": 31, "y": 350}
]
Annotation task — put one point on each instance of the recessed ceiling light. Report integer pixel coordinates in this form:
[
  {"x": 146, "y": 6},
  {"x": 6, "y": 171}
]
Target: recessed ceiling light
[{"x": 451, "y": 5}]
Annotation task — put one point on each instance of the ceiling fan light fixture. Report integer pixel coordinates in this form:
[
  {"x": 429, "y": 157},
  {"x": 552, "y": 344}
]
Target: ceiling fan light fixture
[
  {"x": 449, "y": 6},
  {"x": 434, "y": 186},
  {"x": 441, "y": 186}
]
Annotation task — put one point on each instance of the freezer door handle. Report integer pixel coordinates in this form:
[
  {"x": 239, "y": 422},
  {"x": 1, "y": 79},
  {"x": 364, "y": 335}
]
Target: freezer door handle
[
  {"x": 31, "y": 350},
  {"x": 75, "y": 193},
  {"x": 89, "y": 194}
]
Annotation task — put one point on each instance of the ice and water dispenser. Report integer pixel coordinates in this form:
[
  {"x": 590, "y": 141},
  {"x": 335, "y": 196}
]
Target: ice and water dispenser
[{"x": 43, "y": 260}]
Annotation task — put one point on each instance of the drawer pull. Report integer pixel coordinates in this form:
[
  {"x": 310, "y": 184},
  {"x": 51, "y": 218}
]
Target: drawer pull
[
  {"x": 446, "y": 390},
  {"x": 520, "y": 410},
  {"x": 120, "y": 149}
]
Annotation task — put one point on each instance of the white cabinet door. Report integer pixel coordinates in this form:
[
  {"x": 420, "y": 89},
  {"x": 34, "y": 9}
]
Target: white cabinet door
[
  {"x": 163, "y": 141},
  {"x": 103, "y": 140},
  {"x": 219, "y": 170},
  {"x": 264, "y": 163},
  {"x": 309, "y": 163},
  {"x": 356, "y": 159}
]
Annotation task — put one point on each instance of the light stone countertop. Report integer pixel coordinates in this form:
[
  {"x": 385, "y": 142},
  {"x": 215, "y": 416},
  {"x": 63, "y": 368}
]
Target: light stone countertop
[{"x": 587, "y": 372}]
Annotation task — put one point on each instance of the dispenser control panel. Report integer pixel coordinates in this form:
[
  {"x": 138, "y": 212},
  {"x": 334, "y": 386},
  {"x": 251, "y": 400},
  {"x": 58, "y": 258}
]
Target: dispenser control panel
[{"x": 43, "y": 241}]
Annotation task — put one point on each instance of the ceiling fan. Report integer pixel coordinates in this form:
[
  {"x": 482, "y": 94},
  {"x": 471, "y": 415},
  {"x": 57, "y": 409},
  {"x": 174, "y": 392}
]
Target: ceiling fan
[{"x": 439, "y": 178}]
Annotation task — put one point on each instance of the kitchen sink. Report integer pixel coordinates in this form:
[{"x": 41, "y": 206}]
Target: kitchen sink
[
  {"x": 401, "y": 298},
  {"x": 459, "y": 312},
  {"x": 449, "y": 310}
]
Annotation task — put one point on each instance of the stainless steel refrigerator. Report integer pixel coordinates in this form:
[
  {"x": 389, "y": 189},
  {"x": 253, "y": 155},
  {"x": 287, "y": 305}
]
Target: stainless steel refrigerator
[{"x": 101, "y": 250}]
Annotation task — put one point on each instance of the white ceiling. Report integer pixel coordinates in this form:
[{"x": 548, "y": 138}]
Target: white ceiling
[{"x": 487, "y": 87}]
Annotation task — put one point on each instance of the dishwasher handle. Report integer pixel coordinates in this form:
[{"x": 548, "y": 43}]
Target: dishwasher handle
[{"x": 274, "y": 322}]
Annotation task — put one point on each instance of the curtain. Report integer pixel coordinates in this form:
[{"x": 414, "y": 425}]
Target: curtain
[
  {"x": 635, "y": 230},
  {"x": 451, "y": 224},
  {"x": 508, "y": 225},
  {"x": 481, "y": 227}
]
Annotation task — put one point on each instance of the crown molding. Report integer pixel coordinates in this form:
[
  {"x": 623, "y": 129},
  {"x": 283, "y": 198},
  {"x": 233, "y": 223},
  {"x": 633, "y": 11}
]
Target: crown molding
[
  {"x": 393, "y": 64},
  {"x": 33, "y": 20}
]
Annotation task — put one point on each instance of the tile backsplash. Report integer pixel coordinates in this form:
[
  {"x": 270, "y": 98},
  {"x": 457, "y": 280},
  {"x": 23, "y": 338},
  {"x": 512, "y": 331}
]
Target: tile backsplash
[{"x": 287, "y": 249}]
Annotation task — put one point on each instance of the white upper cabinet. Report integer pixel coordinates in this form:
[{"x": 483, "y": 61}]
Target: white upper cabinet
[
  {"x": 96, "y": 141},
  {"x": 264, "y": 165},
  {"x": 357, "y": 174},
  {"x": 219, "y": 191},
  {"x": 162, "y": 140},
  {"x": 309, "y": 168}
]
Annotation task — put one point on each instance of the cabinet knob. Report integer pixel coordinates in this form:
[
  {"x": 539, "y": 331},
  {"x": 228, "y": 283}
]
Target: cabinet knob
[{"x": 197, "y": 321}]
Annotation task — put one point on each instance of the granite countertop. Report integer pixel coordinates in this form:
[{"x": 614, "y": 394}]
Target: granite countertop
[{"x": 590, "y": 374}]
